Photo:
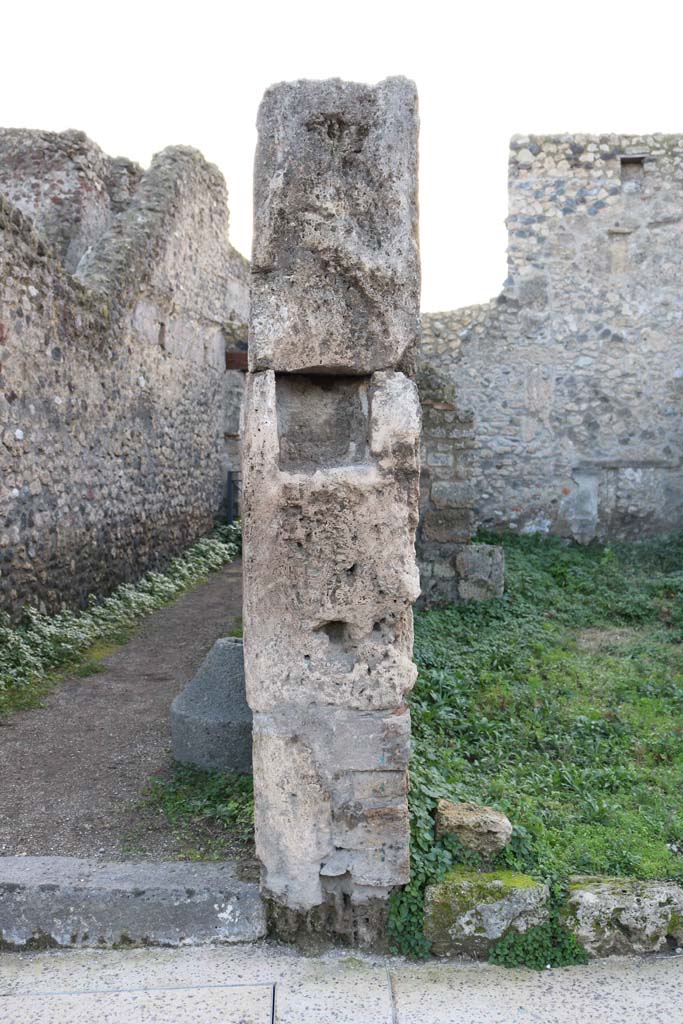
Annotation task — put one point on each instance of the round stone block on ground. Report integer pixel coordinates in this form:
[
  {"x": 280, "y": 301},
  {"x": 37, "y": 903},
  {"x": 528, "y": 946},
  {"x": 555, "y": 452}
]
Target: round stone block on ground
[
  {"x": 210, "y": 719},
  {"x": 468, "y": 911}
]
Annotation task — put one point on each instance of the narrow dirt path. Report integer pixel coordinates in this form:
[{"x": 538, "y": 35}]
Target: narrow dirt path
[{"x": 72, "y": 771}]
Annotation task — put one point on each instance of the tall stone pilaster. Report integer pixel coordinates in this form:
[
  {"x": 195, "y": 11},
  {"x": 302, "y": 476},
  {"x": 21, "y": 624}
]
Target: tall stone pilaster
[{"x": 330, "y": 464}]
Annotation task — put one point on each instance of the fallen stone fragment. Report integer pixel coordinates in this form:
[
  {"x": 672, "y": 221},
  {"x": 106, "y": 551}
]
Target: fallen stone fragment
[
  {"x": 479, "y": 828},
  {"x": 65, "y": 901},
  {"x": 210, "y": 719},
  {"x": 468, "y": 911},
  {"x": 624, "y": 916}
]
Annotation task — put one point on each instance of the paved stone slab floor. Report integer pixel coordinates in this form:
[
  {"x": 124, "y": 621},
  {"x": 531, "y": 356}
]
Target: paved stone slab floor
[
  {"x": 251, "y": 1004},
  {"x": 264, "y": 984}
]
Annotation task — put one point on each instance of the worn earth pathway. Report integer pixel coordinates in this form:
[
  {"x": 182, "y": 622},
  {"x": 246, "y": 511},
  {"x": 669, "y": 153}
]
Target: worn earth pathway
[{"x": 72, "y": 771}]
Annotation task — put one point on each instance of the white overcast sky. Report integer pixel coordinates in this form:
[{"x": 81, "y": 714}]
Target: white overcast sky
[{"x": 138, "y": 76}]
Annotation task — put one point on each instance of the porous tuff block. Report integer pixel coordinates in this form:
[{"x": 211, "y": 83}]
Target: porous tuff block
[
  {"x": 210, "y": 719},
  {"x": 330, "y": 790},
  {"x": 330, "y": 494},
  {"x": 330, "y": 577},
  {"x": 624, "y": 916},
  {"x": 335, "y": 261},
  {"x": 482, "y": 829},
  {"x": 329, "y": 560}
]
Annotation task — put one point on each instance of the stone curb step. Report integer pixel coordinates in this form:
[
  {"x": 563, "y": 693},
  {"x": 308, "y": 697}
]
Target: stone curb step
[{"x": 64, "y": 901}]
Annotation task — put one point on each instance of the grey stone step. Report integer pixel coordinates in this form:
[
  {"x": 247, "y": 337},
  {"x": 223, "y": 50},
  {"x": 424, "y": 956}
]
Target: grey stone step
[{"x": 65, "y": 901}]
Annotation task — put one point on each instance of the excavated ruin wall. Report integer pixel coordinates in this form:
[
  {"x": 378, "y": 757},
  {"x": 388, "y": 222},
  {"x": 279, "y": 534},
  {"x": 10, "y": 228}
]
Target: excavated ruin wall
[
  {"x": 67, "y": 187},
  {"x": 452, "y": 568},
  {"x": 573, "y": 377},
  {"x": 118, "y": 419}
]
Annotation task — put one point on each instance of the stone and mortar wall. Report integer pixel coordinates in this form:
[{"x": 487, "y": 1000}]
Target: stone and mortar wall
[
  {"x": 330, "y": 499},
  {"x": 118, "y": 419},
  {"x": 66, "y": 185},
  {"x": 573, "y": 377},
  {"x": 452, "y": 568}
]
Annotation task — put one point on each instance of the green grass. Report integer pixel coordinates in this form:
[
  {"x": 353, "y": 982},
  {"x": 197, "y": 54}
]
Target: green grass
[
  {"x": 562, "y": 705},
  {"x": 212, "y": 813},
  {"x": 238, "y": 628},
  {"x": 41, "y": 649}
]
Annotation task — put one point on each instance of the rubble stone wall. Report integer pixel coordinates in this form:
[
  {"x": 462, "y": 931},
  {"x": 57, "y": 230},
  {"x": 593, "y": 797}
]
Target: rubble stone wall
[
  {"x": 573, "y": 378},
  {"x": 118, "y": 420},
  {"x": 67, "y": 187},
  {"x": 452, "y": 568}
]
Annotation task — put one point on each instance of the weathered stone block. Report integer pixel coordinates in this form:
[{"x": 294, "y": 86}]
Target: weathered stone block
[
  {"x": 448, "y": 526},
  {"x": 210, "y": 719},
  {"x": 479, "y": 828},
  {"x": 292, "y": 814},
  {"x": 329, "y": 557},
  {"x": 66, "y": 901},
  {"x": 625, "y": 916},
  {"x": 330, "y": 788},
  {"x": 481, "y": 572},
  {"x": 443, "y": 570},
  {"x": 330, "y": 489},
  {"x": 370, "y": 742},
  {"x": 452, "y": 494},
  {"x": 459, "y": 572},
  {"x": 468, "y": 912},
  {"x": 335, "y": 263}
]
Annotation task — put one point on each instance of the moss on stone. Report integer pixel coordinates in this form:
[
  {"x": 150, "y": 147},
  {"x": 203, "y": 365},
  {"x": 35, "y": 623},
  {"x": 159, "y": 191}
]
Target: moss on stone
[
  {"x": 463, "y": 889},
  {"x": 486, "y": 882},
  {"x": 456, "y": 918},
  {"x": 589, "y": 881},
  {"x": 675, "y": 927}
]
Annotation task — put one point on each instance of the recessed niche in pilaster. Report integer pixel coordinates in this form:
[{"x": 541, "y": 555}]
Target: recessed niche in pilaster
[{"x": 321, "y": 421}]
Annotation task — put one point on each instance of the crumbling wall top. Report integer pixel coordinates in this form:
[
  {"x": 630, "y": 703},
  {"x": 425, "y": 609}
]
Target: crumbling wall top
[
  {"x": 66, "y": 185},
  {"x": 179, "y": 209}
]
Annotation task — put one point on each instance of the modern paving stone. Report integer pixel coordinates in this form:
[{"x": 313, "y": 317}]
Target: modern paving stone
[
  {"x": 336, "y": 988},
  {"x": 618, "y": 990},
  {"x": 231, "y": 1005},
  {"x": 333, "y": 989}
]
